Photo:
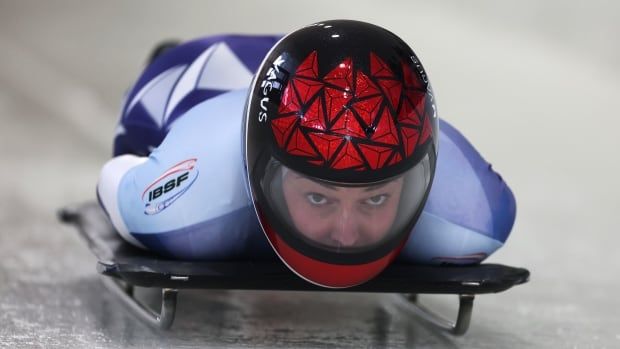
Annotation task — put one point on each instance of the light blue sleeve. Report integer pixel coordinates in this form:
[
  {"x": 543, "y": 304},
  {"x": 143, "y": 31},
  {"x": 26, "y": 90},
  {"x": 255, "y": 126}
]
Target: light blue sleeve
[
  {"x": 188, "y": 200},
  {"x": 470, "y": 210}
]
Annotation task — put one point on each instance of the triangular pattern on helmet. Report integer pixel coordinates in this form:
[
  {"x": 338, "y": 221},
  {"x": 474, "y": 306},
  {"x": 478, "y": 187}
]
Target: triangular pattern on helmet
[
  {"x": 426, "y": 130},
  {"x": 335, "y": 100},
  {"x": 329, "y": 127},
  {"x": 411, "y": 79},
  {"x": 326, "y": 144},
  {"x": 348, "y": 125},
  {"x": 289, "y": 102},
  {"x": 282, "y": 128},
  {"x": 378, "y": 68},
  {"x": 392, "y": 90},
  {"x": 314, "y": 117},
  {"x": 410, "y": 139},
  {"x": 309, "y": 67},
  {"x": 408, "y": 115},
  {"x": 375, "y": 155},
  {"x": 396, "y": 158},
  {"x": 364, "y": 87},
  {"x": 417, "y": 99},
  {"x": 299, "y": 145},
  {"x": 367, "y": 109},
  {"x": 342, "y": 75},
  {"x": 317, "y": 162},
  {"x": 386, "y": 131},
  {"x": 306, "y": 88},
  {"x": 348, "y": 157}
]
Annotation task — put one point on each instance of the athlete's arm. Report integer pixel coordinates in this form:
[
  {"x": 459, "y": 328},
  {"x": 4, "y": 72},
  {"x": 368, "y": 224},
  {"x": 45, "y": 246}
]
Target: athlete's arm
[
  {"x": 187, "y": 199},
  {"x": 470, "y": 210}
]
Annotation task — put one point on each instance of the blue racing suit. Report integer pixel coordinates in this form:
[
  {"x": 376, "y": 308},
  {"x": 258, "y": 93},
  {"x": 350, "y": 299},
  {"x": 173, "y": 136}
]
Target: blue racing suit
[{"x": 188, "y": 198}]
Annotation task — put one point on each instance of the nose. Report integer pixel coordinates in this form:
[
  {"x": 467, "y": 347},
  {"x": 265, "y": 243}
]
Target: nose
[{"x": 346, "y": 230}]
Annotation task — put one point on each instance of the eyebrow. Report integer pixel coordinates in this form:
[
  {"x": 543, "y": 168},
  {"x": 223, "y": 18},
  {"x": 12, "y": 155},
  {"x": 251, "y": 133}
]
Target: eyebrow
[
  {"x": 328, "y": 186},
  {"x": 332, "y": 187},
  {"x": 378, "y": 186}
]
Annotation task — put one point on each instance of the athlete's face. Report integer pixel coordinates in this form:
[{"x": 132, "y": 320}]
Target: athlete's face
[{"x": 341, "y": 216}]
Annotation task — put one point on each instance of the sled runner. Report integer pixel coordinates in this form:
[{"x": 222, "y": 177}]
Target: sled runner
[{"x": 125, "y": 267}]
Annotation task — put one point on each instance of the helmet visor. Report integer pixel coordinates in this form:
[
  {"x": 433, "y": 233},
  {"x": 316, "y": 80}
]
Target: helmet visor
[{"x": 339, "y": 218}]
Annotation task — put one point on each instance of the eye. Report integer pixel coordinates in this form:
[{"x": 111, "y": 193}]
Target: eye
[
  {"x": 376, "y": 200},
  {"x": 316, "y": 199}
]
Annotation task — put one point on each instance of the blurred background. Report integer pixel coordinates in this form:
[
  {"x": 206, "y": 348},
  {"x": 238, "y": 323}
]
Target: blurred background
[{"x": 533, "y": 84}]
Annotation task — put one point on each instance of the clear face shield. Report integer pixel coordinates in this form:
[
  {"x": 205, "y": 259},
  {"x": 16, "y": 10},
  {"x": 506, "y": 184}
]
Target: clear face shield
[{"x": 343, "y": 218}]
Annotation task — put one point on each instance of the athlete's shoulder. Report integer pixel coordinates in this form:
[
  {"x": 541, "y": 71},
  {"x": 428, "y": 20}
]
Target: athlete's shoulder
[
  {"x": 470, "y": 209},
  {"x": 467, "y": 190}
]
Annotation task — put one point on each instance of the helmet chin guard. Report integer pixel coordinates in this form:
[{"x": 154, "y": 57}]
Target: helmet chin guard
[{"x": 340, "y": 149}]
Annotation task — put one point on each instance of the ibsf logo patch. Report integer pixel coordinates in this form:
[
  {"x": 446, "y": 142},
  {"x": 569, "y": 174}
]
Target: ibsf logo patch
[{"x": 170, "y": 186}]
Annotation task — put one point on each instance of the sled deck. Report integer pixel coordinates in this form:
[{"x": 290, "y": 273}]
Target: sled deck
[{"x": 125, "y": 267}]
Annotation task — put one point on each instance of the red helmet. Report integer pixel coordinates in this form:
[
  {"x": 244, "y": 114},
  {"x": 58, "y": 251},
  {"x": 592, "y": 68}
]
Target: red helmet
[{"x": 340, "y": 149}]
